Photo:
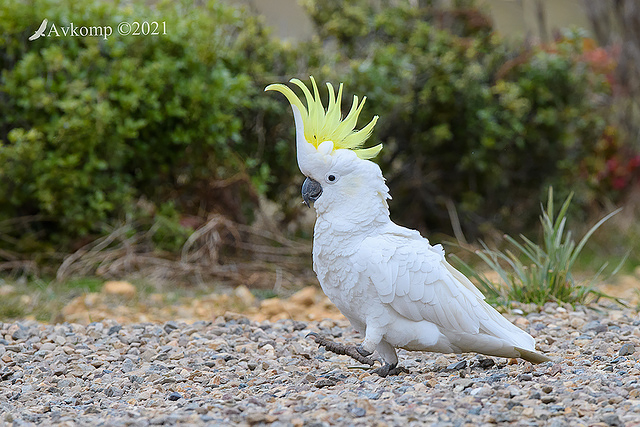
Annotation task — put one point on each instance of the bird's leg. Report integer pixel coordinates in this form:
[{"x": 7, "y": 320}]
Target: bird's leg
[
  {"x": 356, "y": 352},
  {"x": 389, "y": 369}
]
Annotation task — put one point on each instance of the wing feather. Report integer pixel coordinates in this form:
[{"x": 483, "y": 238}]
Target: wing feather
[
  {"x": 408, "y": 309},
  {"x": 413, "y": 277},
  {"x": 394, "y": 267},
  {"x": 382, "y": 282},
  {"x": 416, "y": 293},
  {"x": 403, "y": 286},
  {"x": 429, "y": 294}
]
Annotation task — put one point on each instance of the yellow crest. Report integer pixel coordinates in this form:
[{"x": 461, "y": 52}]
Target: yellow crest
[{"x": 321, "y": 125}]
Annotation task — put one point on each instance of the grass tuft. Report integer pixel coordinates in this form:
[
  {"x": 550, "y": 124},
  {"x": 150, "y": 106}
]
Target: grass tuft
[{"x": 533, "y": 273}]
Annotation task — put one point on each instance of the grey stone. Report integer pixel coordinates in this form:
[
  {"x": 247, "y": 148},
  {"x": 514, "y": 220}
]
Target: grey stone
[
  {"x": 174, "y": 395},
  {"x": 456, "y": 366},
  {"x": 612, "y": 420},
  {"x": 627, "y": 349}
]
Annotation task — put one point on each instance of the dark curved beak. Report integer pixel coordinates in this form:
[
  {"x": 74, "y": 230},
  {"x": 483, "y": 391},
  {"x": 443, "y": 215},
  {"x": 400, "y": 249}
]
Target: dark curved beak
[{"x": 311, "y": 190}]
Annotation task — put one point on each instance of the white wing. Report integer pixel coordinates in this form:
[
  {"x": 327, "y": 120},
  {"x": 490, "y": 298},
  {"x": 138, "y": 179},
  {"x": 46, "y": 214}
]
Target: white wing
[{"x": 413, "y": 278}]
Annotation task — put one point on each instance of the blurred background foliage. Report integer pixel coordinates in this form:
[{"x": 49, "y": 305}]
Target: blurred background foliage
[
  {"x": 149, "y": 127},
  {"x": 469, "y": 121},
  {"x": 163, "y": 131}
]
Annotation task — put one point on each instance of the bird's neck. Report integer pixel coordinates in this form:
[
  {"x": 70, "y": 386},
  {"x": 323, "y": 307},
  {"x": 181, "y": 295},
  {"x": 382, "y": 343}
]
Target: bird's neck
[{"x": 361, "y": 215}]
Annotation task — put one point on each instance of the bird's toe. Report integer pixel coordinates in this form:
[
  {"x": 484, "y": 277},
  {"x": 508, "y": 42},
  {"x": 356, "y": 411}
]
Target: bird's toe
[
  {"x": 389, "y": 369},
  {"x": 344, "y": 349},
  {"x": 362, "y": 351}
]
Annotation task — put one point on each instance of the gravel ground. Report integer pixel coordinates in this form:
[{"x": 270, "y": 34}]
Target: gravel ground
[{"x": 234, "y": 371}]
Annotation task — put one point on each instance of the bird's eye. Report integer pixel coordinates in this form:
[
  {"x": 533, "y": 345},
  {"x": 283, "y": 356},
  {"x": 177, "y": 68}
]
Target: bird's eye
[{"x": 331, "y": 178}]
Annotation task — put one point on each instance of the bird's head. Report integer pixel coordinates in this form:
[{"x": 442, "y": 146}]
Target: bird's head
[{"x": 329, "y": 149}]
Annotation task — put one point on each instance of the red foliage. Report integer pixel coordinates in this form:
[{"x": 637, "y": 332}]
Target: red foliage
[
  {"x": 622, "y": 166},
  {"x": 601, "y": 60}
]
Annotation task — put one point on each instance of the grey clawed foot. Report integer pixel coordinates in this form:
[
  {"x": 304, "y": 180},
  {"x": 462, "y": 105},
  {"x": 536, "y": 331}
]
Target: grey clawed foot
[
  {"x": 389, "y": 369},
  {"x": 355, "y": 352}
]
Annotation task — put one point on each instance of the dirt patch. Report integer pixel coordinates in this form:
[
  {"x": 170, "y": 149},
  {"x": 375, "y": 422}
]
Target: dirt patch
[{"x": 111, "y": 304}]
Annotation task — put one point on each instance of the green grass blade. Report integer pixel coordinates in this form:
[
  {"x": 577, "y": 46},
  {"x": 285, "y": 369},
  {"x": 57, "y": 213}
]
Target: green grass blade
[{"x": 586, "y": 237}]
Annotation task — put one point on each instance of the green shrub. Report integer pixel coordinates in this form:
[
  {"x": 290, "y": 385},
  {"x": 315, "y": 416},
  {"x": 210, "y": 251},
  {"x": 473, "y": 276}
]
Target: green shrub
[
  {"x": 464, "y": 117},
  {"x": 93, "y": 131},
  {"x": 89, "y": 125}
]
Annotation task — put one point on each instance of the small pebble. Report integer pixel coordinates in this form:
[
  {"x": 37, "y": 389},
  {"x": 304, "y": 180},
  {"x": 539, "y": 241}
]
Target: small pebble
[
  {"x": 325, "y": 382},
  {"x": 612, "y": 420},
  {"x": 486, "y": 363},
  {"x": 456, "y": 366},
  {"x": 595, "y": 326},
  {"x": 358, "y": 412},
  {"x": 525, "y": 377},
  {"x": 626, "y": 350},
  {"x": 174, "y": 396},
  {"x": 547, "y": 399}
]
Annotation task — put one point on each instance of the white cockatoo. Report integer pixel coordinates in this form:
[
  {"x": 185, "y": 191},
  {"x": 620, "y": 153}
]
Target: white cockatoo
[{"x": 393, "y": 286}]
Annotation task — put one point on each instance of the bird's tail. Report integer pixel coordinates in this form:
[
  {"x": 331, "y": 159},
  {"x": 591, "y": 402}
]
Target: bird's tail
[
  {"x": 498, "y": 336},
  {"x": 491, "y": 345},
  {"x": 532, "y": 356}
]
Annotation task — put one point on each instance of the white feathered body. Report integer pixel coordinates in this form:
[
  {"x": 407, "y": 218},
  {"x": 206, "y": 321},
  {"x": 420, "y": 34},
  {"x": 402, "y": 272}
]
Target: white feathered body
[{"x": 397, "y": 289}]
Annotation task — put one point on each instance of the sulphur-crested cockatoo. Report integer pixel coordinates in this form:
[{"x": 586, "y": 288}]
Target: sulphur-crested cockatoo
[{"x": 392, "y": 285}]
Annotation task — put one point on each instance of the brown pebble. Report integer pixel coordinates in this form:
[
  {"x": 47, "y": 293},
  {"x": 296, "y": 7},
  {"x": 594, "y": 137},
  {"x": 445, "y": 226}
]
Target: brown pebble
[
  {"x": 325, "y": 382},
  {"x": 547, "y": 399},
  {"x": 555, "y": 369}
]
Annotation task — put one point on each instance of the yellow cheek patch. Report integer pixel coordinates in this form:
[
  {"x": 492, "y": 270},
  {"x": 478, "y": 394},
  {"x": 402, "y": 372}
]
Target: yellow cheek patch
[{"x": 322, "y": 125}]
